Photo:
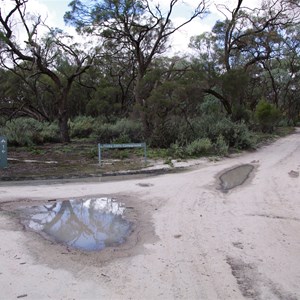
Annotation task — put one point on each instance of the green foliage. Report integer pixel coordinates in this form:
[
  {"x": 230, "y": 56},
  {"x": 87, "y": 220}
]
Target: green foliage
[
  {"x": 240, "y": 113},
  {"x": 199, "y": 147},
  {"x": 165, "y": 132},
  {"x": 221, "y": 147},
  {"x": 211, "y": 107},
  {"x": 284, "y": 122},
  {"x": 177, "y": 151},
  {"x": 267, "y": 116},
  {"x": 2, "y": 122},
  {"x": 50, "y": 132},
  {"x": 81, "y": 127},
  {"x": 211, "y": 123},
  {"x": 105, "y": 101},
  {"x": 22, "y": 132},
  {"x": 169, "y": 162},
  {"x": 34, "y": 150},
  {"x": 28, "y": 132},
  {"x": 123, "y": 138},
  {"x": 120, "y": 153},
  {"x": 284, "y": 131},
  {"x": 92, "y": 153},
  {"x": 156, "y": 153},
  {"x": 234, "y": 83},
  {"x": 236, "y": 135},
  {"x": 124, "y": 130}
]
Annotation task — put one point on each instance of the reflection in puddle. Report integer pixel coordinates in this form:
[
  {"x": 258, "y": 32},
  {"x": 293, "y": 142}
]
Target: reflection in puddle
[
  {"x": 90, "y": 224},
  {"x": 235, "y": 177}
]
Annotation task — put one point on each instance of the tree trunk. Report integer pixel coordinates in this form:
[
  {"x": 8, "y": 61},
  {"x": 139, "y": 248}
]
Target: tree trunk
[
  {"x": 224, "y": 101},
  {"x": 141, "y": 106},
  {"x": 63, "y": 120},
  {"x": 63, "y": 128}
]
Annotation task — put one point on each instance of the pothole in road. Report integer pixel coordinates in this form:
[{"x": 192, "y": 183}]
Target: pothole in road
[
  {"x": 235, "y": 177},
  {"x": 86, "y": 224}
]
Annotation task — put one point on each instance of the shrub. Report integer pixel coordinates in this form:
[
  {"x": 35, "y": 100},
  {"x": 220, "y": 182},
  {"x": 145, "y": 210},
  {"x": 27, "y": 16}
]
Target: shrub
[
  {"x": 121, "y": 139},
  {"x": 267, "y": 116},
  {"x": 2, "y": 121},
  {"x": 82, "y": 127},
  {"x": 23, "y": 132},
  {"x": 132, "y": 129},
  {"x": 199, "y": 147},
  {"x": 29, "y": 132},
  {"x": 243, "y": 137},
  {"x": 177, "y": 151},
  {"x": 50, "y": 132},
  {"x": 235, "y": 135},
  {"x": 221, "y": 147},
  {"x": 226, "y": 128},
  {"x": 163, "y": 133},
  {"x": 285, "y": 122},
  {"x": 240, "y": 113},
  {"x": 123, "y": 129}
]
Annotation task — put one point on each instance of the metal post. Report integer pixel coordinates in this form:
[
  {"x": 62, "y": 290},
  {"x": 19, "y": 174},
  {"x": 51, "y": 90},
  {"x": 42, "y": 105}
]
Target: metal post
[
  {"x": 99, "y": 153},
  {"x": 145, "y": 153},
  {"x": 3, "y": 152}
]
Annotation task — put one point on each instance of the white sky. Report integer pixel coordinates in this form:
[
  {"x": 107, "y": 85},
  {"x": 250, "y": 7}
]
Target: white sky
[{"x": 55, "y": 9}]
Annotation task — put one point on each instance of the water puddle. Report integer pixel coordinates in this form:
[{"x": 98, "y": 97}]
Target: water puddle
[
  {"x": 235, "y": 177},
  {"x": 86, "y": 224}
]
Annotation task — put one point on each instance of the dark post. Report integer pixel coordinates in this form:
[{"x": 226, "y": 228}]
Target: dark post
[{"x": 3, "y": 152}]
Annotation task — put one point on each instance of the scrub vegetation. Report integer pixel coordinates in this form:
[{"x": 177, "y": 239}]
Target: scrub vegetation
[{"x": 238, "y": 87}]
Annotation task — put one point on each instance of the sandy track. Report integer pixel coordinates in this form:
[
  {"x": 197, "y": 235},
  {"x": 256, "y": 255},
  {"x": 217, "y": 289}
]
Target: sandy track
[{"x": 200, "y": 244}]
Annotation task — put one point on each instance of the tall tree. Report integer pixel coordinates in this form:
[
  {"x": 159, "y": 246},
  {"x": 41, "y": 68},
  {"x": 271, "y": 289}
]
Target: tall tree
[
  {"x": 23, "y": 95},
  {"x": 245, "y": 38},
  {"x": 54, "y": 56},
  {"x": 282, "y": 74},
  {"x": 134, "y": 26}
]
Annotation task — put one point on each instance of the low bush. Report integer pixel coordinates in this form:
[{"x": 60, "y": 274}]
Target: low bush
[
  {"x": 23, "y": 132},
  {"x": 82, "y": 127},
  {"x": 243, "y": 138},
  {"x": 163, "y": 134},
  {"x": 177, "y": 151},
  {"x": 267, "y": 116},
  {"x": 236, "y": 135},
  {"x": 220, "y": 146},
  {"x": 199, "y": 147},
  {"x": 123, "y": 130},
  {"x": 29, "y": 132},
  {"x": 50, "y": 132}
]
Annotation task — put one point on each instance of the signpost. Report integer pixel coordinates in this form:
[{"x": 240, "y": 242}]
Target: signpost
[
  {"x": 118, "y": 146},
  {"x": 3, "y": 152}
]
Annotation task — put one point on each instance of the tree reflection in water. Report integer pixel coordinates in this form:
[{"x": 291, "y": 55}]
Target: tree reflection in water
[{"x": 91, "y": 224}]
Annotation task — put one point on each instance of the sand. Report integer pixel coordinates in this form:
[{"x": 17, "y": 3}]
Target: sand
[{"x": 191, "y": 240}]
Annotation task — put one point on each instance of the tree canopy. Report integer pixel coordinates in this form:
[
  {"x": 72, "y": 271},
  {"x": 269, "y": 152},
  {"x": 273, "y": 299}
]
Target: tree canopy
[{"x": 251, "y": 56}]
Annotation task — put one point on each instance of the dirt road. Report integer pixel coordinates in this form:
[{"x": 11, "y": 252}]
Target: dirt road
[{"x": 192, "y": 241}]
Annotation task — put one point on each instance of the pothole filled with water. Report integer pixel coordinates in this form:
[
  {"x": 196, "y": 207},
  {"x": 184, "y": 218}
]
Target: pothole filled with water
[
  {"x": 235, "y": 177},
  {"x": 87, "y": 224}
]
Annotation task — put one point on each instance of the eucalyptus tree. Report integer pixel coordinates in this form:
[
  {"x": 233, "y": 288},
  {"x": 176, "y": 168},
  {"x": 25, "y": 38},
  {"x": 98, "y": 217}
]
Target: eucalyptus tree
[
  {"x": 173, "y": 98},
  {"x": 54, "y": 55},
  {"x": 137, "y": 27},
  {"x": 282, "y": 74},
  {"x": 22, "y": 95},
  {"x": 245, "y": 39},
  {"x": 113, "y": 81}
]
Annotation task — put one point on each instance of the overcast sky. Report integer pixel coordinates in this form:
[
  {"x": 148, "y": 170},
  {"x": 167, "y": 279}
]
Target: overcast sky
[{"x": 55, "y": 9}]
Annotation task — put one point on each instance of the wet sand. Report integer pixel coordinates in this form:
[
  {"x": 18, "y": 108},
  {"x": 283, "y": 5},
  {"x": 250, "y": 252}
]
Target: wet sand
[{"x": 190, "y": 240}]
